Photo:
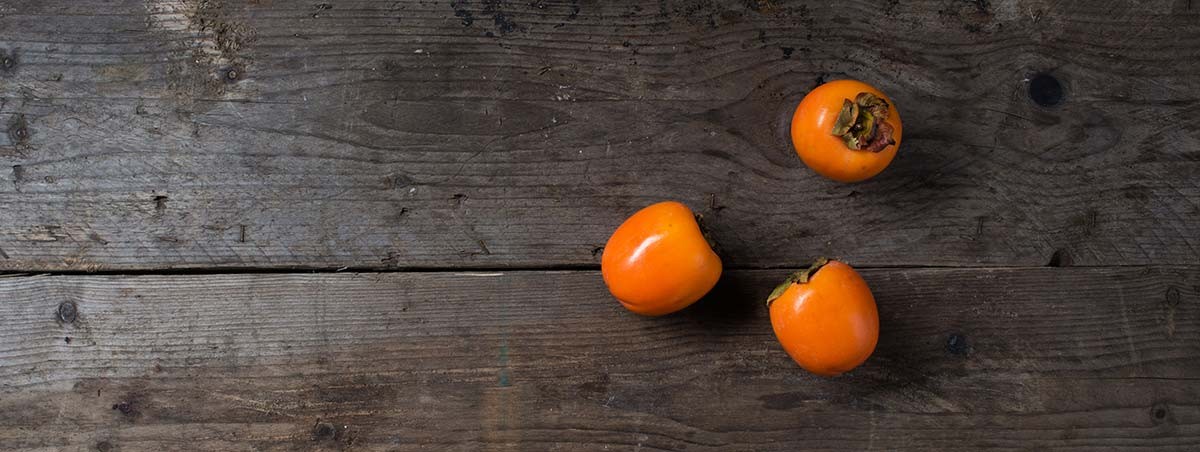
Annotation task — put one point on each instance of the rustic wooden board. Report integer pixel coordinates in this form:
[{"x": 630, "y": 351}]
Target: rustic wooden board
[
  {"x": 1005, "y": 359},
  {"x": 144, "y": 135}
]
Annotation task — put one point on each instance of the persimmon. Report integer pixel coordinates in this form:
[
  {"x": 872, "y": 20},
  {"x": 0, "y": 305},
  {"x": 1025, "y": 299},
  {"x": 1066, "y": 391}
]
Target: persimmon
[
  {"x": 846, "y": 130},
  {"x": 659, "y": 261},
  {"x": 825, "y": 318}
]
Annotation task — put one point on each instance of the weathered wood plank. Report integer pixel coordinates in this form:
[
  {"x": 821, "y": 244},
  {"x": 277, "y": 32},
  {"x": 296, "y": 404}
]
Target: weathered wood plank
[
  {"x": 374, "y": 134},
  {"x": 1068, "y": 359}
]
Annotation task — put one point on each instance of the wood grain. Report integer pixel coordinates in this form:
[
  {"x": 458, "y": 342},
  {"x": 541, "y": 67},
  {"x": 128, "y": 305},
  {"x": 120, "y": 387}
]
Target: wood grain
[
  {"x": 1003, "y": 359},
  {"x": 145, "y": 135}
]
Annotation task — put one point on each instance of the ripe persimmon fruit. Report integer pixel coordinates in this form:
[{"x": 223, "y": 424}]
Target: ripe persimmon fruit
[
  {"x": 659, "y": 261},
  {"x": 846, "y": 130},
  {"x": 825, "y": 318}
]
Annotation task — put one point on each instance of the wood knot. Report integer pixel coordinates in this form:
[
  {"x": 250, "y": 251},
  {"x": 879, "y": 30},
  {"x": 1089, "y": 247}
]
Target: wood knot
[
  {"x": 18, "y": 130},
  {"x": 1159, "y": 413},
  {"x": 68, "y": 312},
  {"x": 8, "y": 61},
  {"x": 1172, "y": 296},
  {"x": 232, "y": 74},
  {"x": 1045, "y": 90}
]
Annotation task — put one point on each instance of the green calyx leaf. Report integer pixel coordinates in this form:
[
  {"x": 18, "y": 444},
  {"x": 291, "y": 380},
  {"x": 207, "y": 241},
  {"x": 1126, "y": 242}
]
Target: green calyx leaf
[{"x": 846, "y": 118}]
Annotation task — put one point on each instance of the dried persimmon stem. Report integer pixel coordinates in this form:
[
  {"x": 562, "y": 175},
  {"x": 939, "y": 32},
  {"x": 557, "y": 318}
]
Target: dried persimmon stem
[
  {"x": 800, "y": 277},
  {"x": 862, "y": 123}
]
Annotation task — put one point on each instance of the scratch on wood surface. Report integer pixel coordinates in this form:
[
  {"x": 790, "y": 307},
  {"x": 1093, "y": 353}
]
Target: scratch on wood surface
[
  {"x": 871, "y": 432},
  {"x": 46, "y": 233},
  {"x": 254, "y": 405},
  {"x": 1125, "y": 325}
]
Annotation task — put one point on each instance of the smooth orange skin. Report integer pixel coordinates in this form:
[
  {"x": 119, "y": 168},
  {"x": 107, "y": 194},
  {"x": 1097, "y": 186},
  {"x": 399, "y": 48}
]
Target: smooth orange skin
[
  {"x": 827, "y": 154},
  {"x": 830, "y": 324},
  {"x": 658, "y": 262}
]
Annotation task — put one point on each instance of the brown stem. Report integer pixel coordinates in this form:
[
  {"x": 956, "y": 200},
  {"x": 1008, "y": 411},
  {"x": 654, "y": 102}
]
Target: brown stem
[{"x": 800, "y": 277}]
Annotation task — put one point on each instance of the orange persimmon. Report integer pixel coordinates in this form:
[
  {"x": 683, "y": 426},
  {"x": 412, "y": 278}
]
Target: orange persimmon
[
  {"x": 825, "y": 318},
  {"x": 846, "y": 130},
  {"x": 658, "y": 261}
]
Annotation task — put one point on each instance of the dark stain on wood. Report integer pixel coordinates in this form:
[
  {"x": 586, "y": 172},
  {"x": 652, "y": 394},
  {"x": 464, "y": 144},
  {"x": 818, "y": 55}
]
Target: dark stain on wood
[
  {"x": 97, "y": 238},
  {"x": 503, "y": 23},
  {"x": 1060, "y": 258},
  {"x": 160, "y": 204},
  {"x": 957, "y": 344},
  {"x": 129, "y": 407},
  {"x": 461, "y": 11},
  {"x": 18, "y": 173}
]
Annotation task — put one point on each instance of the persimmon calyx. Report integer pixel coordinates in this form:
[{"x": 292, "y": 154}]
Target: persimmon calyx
[
  {"x": 862, "y": 123},
  {"x": 800, "y": 277}
]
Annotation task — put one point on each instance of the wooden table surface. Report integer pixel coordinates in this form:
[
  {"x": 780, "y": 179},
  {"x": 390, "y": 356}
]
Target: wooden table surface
[{"x": 280, "y": 225}]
